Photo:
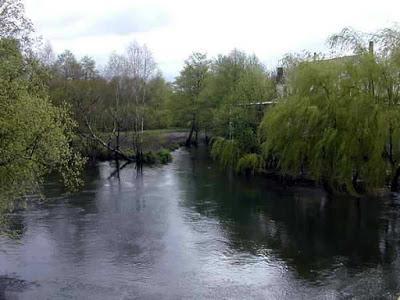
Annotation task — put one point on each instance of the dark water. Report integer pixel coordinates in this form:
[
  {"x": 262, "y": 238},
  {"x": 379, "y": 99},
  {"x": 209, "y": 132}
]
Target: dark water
[{"x": 189, "y": 231}]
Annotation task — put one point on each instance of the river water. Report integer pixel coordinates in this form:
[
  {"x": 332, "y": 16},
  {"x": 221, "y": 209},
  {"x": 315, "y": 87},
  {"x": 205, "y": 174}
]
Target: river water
[{"x": 188, "y": 230}]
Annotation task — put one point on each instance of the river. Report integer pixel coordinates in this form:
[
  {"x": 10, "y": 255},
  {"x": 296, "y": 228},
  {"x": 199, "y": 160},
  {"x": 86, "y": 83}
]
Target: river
[{"x": 188, "y": 230}]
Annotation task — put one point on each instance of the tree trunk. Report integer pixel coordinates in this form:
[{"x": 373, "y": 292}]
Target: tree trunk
[
  {"x": 192, "y": 130},
  {"x": 117, "y": 142},
  {"x": 354, "y": 182},
  {"x": 206, "y": 137},
  {"x": 96, "y": 138},
  {"x": 196, "y": 137},
  {"x": 394, "y": 186},
  {"x": 327, "y": 186},
  {"x": 189, "y": 139}
]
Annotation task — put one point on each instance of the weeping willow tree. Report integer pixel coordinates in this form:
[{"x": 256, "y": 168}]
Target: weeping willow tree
[
  {"x": 340, "y": 123},
  {"x": 250, "y": 164},
  {"x": 227, "y": 152}
]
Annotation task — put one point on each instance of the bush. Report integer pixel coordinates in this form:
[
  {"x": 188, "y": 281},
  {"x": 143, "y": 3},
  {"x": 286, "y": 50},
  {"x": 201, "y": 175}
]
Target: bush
[
  {"x": 164, "y": 156},
  {"x": 149, "y": 158}
]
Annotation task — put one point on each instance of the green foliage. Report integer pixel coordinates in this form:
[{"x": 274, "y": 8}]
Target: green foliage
[
  {"x": 112, "y": 109},
  {"x": 250, "y": 164},
  {"x": 35, "y": 136},
  {"x": 68, "y": 67},
  {"x": 164, "y": 156},
  {"x": 188, "y": 107},
  {"x": 149, "y": 158},
  {"x": 236, "y": 83},
  {"x": 157, "y": 114},
  {"x": 340, "y": 123},
  {"x": 219, "y": 97},
  {"x": 226, "y": 152},
  {"x": 108, "y": 101}
]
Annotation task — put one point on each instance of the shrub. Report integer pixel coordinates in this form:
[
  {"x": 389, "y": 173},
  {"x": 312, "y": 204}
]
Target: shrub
[
  {"x": 149, "y": 158},
  {"x": 164, "y": 156}
]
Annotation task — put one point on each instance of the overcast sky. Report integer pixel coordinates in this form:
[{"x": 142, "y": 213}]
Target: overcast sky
[{"x": 173, "y": 29}]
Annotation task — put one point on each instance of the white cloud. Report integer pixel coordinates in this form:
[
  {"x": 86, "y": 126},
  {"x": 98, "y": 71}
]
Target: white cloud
[{"x": 173, "y": 29}]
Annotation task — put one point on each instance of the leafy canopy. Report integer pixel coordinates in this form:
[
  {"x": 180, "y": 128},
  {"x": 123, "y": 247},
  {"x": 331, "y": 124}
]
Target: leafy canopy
[
  {"x": 35, "y": 136},
  {"x": 340, "y": 121}
]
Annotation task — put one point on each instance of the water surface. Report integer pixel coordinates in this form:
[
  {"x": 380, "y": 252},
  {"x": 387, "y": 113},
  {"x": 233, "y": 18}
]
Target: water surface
[{"x": 190, "y": 231}]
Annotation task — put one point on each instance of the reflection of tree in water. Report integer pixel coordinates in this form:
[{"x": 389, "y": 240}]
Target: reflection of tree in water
[
  {"x": 12, "y": 216},
  {"x": 11, "y": 220},
  {"x": 11, "y": 225},
  {"x": 308, "y": 230},
  {"x": 9, "y": 287}
]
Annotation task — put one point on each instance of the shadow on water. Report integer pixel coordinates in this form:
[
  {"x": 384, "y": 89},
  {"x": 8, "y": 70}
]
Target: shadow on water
[
  {"x": 313, "y": 233},
  {"x": 12, "y": 226}
]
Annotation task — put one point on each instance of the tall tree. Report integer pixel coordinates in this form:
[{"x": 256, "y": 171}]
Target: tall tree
[
  {"x": 88, "y": 68},
  {"x": 46, "y": 55},
  {"x": 140, "y": 69},
  {"x": 237, "y": 85},
  {"x": 67, "y": 66},
  {"x": 189, "y": 86}
]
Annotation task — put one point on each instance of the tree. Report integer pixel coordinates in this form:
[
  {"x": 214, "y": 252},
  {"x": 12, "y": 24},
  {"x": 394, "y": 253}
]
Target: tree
[
  {"x": 140, "y": 69},
  {"x": 67, "y": 66},
  {"x": 159, "y": 93},
  {"x": 116, "y": 70},
  {"x": 88, "y": 68},
  {"x": 189, "y": 86},
  {"x": 14, "y": 24},
  {"x": 340, "y": 122},
  {"x": 46, "y": 55},
  {"x": 35, "y": 136},
  {"x": 238, "y": 82}
]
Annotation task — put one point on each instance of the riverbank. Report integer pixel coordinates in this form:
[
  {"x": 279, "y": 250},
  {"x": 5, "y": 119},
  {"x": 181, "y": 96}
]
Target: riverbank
[
  {"x": 228, "y": 155},
  {"x": 157, "y": 145}
]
